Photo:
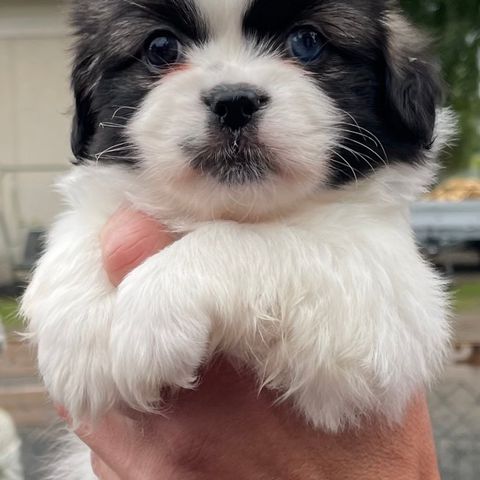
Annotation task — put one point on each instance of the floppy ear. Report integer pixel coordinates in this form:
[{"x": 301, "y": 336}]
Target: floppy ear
[
  {"x": 84, "y": 121},
  {"x": 413, "y": 84}
]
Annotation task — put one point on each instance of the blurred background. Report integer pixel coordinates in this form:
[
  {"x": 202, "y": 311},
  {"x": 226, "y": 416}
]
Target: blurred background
[{"x": 35, "y": 110}]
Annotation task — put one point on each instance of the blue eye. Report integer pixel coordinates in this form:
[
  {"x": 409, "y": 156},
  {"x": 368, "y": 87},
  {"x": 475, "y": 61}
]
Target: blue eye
[
  {"x": 306, "y": 44},
  {"x": 163, "y": 50}
]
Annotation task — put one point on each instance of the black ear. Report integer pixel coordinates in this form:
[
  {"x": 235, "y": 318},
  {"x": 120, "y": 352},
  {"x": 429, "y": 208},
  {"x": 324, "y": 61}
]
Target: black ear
[
  {"x": 413, "y": 83},
  {"x": 84, "y": 121}
]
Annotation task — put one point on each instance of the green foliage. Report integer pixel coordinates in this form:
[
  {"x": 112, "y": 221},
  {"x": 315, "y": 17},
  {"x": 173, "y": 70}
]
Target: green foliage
[
  {"x": 455, "y": 25},
  {"x": 9, "y": 314},
  {"x": 467, "y": 297}
]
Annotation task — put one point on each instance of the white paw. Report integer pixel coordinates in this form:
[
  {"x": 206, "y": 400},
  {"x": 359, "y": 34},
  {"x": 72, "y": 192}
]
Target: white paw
[
  {"x": 77, "y": 376},
  {"x": 160, "y": 334},
  {"x": 72, "y": 335}
]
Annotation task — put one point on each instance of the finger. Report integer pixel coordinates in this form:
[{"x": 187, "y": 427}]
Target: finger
[
  {"x": 63, "y": 413},
  {"x": 102, "y": 470},
  {"x": 124, "y": 444},
  {"x": 129, "y": 238},
  {"x": 114, "y": 429}
]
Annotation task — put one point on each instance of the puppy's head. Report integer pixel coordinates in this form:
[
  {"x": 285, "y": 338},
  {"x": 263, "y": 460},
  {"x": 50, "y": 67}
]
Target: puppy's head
[{"x": 247, "y": 106}]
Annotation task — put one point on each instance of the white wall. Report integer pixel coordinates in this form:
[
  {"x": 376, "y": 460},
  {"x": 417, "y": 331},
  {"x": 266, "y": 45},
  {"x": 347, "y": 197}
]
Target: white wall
[{"x": 35, "y": 109}]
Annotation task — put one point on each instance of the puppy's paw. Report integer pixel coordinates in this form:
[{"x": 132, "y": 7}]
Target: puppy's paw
[
  {"x": 83, "y": 386},
  {"x": 77, "y": 374},
  {"x": 160, "y": 335},
  {"x": 73, "y": 356}
]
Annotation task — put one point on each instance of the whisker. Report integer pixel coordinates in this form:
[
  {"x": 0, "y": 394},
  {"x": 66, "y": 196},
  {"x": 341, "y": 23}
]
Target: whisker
[
  {"x": 354, "y": 120},
  {"x": 371, "y": 134},
  {"x": 110, "y": 125},
  {"x": 120, "y": 158},
  {"x": 125, "y": 119},
  {"x": 345, "y": 164},
  {"x": 358, "y": 155},
  {"x": 356, "y": 124},
  {"x": 360, "y": 134},
  {"x": 113, "y": 149},
  {"x": 383, "y": 160},
  {"x": 127, "y": 107},
  {"x": 119, "y": 109}
]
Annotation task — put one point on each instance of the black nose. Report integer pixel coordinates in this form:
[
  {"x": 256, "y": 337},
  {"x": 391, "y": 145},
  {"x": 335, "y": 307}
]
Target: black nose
[{"x": 235, "y": 105}]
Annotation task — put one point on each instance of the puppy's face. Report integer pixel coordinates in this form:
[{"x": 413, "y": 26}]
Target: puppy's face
[{"x": 237, "y": 107}]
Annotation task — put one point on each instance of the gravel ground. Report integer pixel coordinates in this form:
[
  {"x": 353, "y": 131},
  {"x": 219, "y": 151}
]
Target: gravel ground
[{"x": 455, "y": 409}]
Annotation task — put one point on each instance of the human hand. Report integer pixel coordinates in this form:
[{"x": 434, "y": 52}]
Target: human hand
[{"x": 227, "y": 430}]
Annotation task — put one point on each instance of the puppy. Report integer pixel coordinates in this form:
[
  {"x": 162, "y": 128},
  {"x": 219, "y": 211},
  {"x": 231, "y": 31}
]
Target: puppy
[{"x": 282, "y": 141}]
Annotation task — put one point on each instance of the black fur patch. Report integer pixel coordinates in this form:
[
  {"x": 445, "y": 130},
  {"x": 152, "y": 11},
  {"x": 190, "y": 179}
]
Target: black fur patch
[
  {"x": 232, "y": 164},
  {"x": 389, "y": 95},
  {"x": 110, "y": 77}
]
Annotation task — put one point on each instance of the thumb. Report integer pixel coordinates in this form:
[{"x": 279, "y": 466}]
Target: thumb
[{"x": 128, "y": 239}]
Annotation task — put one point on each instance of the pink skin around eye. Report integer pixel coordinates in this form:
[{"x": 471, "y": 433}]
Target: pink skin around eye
[
  {"x": 128, "y": 239},
  {"x": 180, "y": 67}
]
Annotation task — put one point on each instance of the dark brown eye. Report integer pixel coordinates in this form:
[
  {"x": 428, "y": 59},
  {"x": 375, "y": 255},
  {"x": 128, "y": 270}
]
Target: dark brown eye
[{"x": 163, "y": 49}]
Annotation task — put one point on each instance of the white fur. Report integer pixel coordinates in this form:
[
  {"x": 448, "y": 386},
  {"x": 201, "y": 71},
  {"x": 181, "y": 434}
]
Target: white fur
[
  {"x": 300, "y": 126},
  {"x": 70, "y": 460},
  {"x": 332, "y": 304},
  {"x": 322, "y": 292}
]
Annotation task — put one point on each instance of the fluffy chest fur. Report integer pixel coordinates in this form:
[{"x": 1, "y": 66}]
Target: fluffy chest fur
[{"x": 331, "y": 305}]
